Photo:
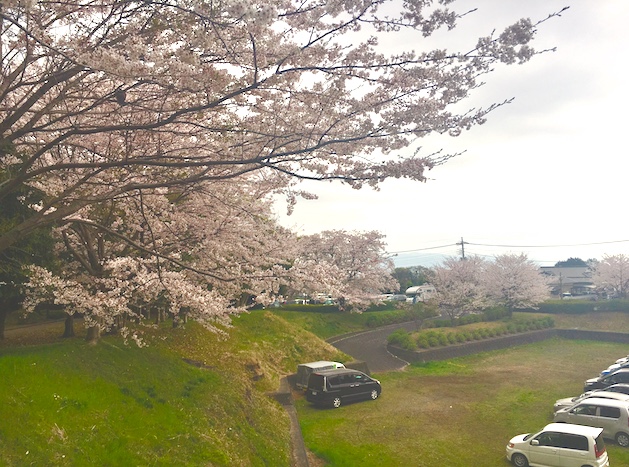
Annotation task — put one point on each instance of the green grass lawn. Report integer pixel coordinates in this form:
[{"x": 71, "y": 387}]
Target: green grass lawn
[{"x": 459, "y": 412}]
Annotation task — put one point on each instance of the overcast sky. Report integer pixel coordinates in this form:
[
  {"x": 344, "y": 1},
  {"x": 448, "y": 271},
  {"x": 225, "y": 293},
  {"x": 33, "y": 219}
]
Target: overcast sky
[{"x": 545, "y": 176}]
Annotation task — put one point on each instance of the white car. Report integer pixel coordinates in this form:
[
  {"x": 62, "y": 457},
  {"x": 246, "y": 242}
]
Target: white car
[
  {"x": 559, "y": 445},
  {"x": 601, "y": 393}
]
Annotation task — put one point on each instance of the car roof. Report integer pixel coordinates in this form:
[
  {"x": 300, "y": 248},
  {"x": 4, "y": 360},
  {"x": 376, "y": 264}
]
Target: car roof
[
  {"x": 602, "y": 401},
  {"x": 320, "y": 363},
  {"x": 338, "y": 371},
  {"x": 621, "y": 396},
  {"x": 574, "y": 429}
]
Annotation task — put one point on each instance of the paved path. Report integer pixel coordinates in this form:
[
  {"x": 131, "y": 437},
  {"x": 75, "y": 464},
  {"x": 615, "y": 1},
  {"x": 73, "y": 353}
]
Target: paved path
[{"x": 371, "y": 347}]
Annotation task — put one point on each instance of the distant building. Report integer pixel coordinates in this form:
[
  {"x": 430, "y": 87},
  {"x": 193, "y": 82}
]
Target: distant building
[{"x": 569, "y": 280}]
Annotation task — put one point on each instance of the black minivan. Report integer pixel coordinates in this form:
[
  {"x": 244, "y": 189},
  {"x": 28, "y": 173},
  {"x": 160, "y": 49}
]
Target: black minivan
[{"x": 334, "y": 387}]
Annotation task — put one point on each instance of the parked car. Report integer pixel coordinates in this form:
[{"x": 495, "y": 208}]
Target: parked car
[
  {"x": 610, "y": 415},
  {"x": 622, "y": 359},
  {"x": 600, "y": 382},
  {"x": 616, "y": 366},
  {"x": 620, "y": 387},
  {"x": 559, "y": 444},
  {"x": 601, "y": 393},
  {"x": 335, "y": 387},
  {"x": 305, "y": 369}
]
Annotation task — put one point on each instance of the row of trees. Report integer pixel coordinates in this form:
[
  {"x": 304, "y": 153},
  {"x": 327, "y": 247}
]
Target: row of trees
[
  {"x": 513, "y": 281},
  {"x": 112, "y": 286},
  {"x": 473, "y": 284}
]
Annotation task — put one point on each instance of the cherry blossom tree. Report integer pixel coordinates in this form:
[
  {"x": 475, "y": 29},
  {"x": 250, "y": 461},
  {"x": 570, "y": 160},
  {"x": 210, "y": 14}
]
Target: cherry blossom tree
[
  {"x": 351, "y": 266},
  {"x": 101, "y": 100},
  {"x": 612, "y": 274},
  {"x": 194, "y": 254},
  {"x": 460, "y": 288},
  {"x": 515, "y": 282}
]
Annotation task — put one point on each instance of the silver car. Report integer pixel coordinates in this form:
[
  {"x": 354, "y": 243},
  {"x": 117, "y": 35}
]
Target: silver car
[
  {"x": 601, "y": 393},
  {"x": 610, "y": 415}
]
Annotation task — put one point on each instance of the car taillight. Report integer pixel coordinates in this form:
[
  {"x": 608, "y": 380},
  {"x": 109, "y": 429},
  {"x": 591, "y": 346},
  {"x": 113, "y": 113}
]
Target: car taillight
[
  {"x": 598, "y": 450},
  {"x": 511, "y": 445},
  {"x": 598, "y": 453}
]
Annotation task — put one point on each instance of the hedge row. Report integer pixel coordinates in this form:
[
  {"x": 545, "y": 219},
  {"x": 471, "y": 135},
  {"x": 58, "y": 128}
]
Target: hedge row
[
  {"x": 427, "y": 339},
  {"x": 491, "y": 314},
  {"x": 582, "y": 306}
]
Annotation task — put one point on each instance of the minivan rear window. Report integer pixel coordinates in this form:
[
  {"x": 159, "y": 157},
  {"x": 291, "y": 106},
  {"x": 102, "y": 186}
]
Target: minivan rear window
[{"x": 316, "y": 381}]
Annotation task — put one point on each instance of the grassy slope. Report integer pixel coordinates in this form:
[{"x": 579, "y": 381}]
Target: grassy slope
[{"x": 68, "y": 403}]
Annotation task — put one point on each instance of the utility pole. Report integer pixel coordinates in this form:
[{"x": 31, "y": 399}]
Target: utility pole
[{"x": 462, "y": 248}]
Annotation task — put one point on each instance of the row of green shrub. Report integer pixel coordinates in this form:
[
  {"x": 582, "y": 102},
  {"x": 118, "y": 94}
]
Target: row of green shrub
[
  {"x": 582, "y": 306},
  {"x": 428, "y": 339},
  {"x": 490, "y": 314}
]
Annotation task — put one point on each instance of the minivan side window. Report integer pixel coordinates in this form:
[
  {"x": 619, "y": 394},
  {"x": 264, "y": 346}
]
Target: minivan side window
[
  {"x": 336, "y": 380},
  {"x": 362, "y": 378},
  {"x": 620, "y": 378},
  {"x": 577, "y": 442},
  {"x": 563, "y": 440},
  {"x": 548, "y": 438},
  {"x": 585, "y": 409},
  {"x": 610, "y": 412}
]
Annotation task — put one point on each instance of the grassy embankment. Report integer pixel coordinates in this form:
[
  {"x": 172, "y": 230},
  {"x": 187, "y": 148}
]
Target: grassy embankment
[{"x": 189, "y": 398}]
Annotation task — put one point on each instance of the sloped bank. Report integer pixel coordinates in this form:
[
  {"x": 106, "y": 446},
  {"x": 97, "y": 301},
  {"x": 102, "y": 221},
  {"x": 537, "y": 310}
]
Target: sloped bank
[{"x": 502, "y": 342}]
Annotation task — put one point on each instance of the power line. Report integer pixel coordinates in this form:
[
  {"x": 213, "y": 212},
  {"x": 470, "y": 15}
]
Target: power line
[
  {"x": 509, "y": 246},
  {"x": 423, "y": 249},
  {"x": 547, "y": 246}
]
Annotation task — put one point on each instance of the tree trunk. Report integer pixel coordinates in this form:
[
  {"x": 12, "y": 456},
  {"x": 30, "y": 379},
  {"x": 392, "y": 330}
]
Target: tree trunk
[
  {"x": 4, "y": 311},
  {"x": 68, "y": 330},
  {"x": 93, "y": 335}
]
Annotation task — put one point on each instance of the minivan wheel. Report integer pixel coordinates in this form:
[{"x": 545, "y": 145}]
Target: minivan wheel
[
  {"x": 374, "y": 395},
  {"x": 622, "y": 439},
  {"x": 519, "y": 460},
  {"x": 336, "y": 402}
]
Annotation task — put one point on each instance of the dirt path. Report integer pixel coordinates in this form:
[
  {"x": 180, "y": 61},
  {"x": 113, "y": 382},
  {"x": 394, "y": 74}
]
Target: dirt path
[{"x": 34, "y": 334}]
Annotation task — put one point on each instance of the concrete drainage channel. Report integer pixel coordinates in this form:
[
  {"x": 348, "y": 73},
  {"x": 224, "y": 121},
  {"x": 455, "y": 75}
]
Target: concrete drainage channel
[{"x": 299, "y": 456}]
